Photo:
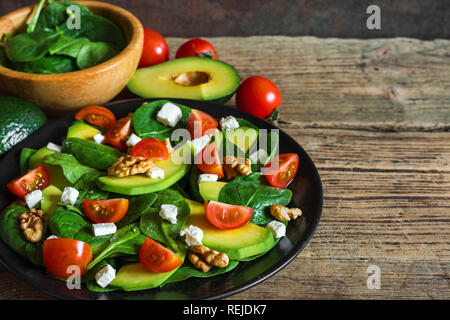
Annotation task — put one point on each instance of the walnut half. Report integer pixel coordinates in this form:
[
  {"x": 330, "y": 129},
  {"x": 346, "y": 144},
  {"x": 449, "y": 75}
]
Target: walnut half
[
  {"x": 32, "y": 225},
  {"x": 130, "y": 165}
]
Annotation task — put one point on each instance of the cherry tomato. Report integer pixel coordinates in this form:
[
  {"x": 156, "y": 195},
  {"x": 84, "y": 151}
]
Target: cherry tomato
[
  {"x": 258, "y": 96},
  {"x": 150, "y": 148},
  {"x": 199, "y": 123},
  {"x": 208, "y": 160},
  {"x": 118, "y": 133},
  {"x": 104, "y": 211},
  {"x": 155, "y": 257},
  {"x": 59, "y": 254},
  {"x": 97, "y": 115},
  {"x": 37, "y": 178},
  {"x": 280, "y": 175},
  {"x": 196, "y": 48},
  {"x": 227, "y": 216},
  {"x": 155, "y": 50}
]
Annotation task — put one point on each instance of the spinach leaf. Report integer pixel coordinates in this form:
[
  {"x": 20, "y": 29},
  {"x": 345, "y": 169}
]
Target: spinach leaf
[
  {"x": 4, "y": 61},
  {"x": 88, "y": 189},
  {"x": 94, "y": 53},
  {"x": 28, "y": 47},
  {"x": 269, "y": 142},
  {"x": 145, "y": 123},
  {"x": 68, "y": 224},
  {"x": 122, "y": 236},
  {"x": 48, "y": 65},
  {"x": 193, "y": 184},
  {"x": 251, "y": 191},
  {"x": 91, "y": 154},
  {"x": 100, "y": 29},
  {"x": 25, "y": 154},
  {"x": 55, "y": 14},
  {"x": 138, "y": 206},
  {"x": 68, "y": 46},
  {"x": 187, "y": 270},
  {"x": 155, "y": 227},
  {"x": 72, "y": 169},
  {"x": 32, "y": 25},
  {"x": 12, "y": 235}
]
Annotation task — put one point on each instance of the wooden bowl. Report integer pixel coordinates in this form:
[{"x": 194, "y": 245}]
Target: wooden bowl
[{"x": 68, "y": 92}]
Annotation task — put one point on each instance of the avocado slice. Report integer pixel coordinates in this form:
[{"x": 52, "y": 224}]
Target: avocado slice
[
  {"x": 82, "y": 130},
  {"x": 50, "y": 198},
  {"x": 242, "y": 137},
  {"x": 210, "y": 190},
  {"x": 189, "y": 78},
  {"x": 240, "y": 243},
  {"x": 139, "y": 184}
]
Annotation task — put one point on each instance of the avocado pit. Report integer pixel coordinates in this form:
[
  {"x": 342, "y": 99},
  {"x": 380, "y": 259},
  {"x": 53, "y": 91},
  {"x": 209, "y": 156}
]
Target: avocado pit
[{"x": 192, "y": 78}]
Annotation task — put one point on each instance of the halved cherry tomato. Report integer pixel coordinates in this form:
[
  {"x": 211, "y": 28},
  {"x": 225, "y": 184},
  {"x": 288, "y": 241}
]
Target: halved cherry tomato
[
  {"x": 155, "y": 257},
  {"x": 104, "y": 211},
  {"x": 118, "y": 133},
  {"x": 227, "y": 216},
  {"x": 150, "y": 148},
  {"x": 196, "y": 48},
  {"x": 37, "y": 178},
  {"x": 97, "y": 115},
  {"x": 59, "y": 254},
  {"x": 258, "y": 96},
  {"x": 199, "y": 123},
  {"x": 208, "y": 160},
  {"x": 282, "y": 169}
]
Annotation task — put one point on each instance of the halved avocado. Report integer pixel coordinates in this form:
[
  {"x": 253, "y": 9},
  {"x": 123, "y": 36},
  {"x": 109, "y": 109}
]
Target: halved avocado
[
  {"x": 210, "y": 190},
  {"x": 82, "y": 130},
  {"x": 188, "y": 78},
  {"x": 141, "y": 184},
  {"x": 246, "y": 241}
]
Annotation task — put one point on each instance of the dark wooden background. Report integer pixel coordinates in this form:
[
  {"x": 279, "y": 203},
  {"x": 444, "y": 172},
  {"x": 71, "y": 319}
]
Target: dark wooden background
[{"x": 322, "y": 18}]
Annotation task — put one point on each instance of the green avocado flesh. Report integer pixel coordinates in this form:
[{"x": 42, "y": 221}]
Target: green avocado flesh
[
  {"x": 188, "y": 78},
  {"x": 141, "y": 184},
  {"x": 50, "y": 198},
  {"x": 82, "y": 130},
  {"x": 210, "y": 190},
  {"x": 242, "y": 137},
  {"x": 239, "y": 243}
]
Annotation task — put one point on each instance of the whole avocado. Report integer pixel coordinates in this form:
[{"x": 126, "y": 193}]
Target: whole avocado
[{"x": 18, "y": 119}]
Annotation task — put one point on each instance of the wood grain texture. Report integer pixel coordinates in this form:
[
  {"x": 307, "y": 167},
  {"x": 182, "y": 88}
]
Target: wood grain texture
[{"x": 383, "y": 156}]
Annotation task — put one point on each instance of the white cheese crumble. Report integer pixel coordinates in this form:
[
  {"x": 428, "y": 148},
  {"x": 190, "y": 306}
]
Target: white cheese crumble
[
  {"x": 99, "y": 138},
  {"x": 69, "y": 196},
  {"x": 194, "y": 235},
  {"x": 105, "y": 276},
  {"x": 169, "y": 114},
  {"x": 207, "y": 177},
  {"x": 33, "y": 199},
  {"x": 278, "y": 228},
  {"x": 169, "y": 212},
  {"x": 258, "y": 157},
  {"x": 53, "y": 147},
  {"x": 155, "y": 173},
  {"x": 200, "y": 143},
  {"x": 101, "y": 229},
  {"x": 52, "y": 237},
  {"x": 133, "y": 139},
  {"x": 229, "y": 123}
]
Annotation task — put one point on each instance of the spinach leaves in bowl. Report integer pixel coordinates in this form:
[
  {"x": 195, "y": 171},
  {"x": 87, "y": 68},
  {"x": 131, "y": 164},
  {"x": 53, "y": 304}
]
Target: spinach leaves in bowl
[{"x": 61, "y": 37}]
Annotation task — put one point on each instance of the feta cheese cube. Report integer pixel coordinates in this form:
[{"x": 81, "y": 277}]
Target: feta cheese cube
[
  {"x": 52, "y": 237},
  {"x": 69, "y": 195},
  {"x": 33, "y": 199},
  {"x": 169, "y": 114},
  {"x": 155, "y": 173},
  {"x": 200, "y": 143},
  {"x": 169, "y": 212},
  {"x": 258, "y": 157},
  {"x": 207, "y": 177},
  {"x": 105, "y": 276},
  {"x": 168, "y": 145},
  {"x": 101, "y": 229},
  {"x": 194, "y": 235},
  {"x": 229, "y": 123},
  {"x": 53, "y": 147},
  {"x": 99, "y": 138},
  {"x": 133, "y": 140},
  {"x": 278, "y": 228}
]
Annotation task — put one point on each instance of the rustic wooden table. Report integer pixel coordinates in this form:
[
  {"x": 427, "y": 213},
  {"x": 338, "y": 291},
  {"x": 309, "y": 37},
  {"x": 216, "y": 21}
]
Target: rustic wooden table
[{"x": 374, "y": 115}]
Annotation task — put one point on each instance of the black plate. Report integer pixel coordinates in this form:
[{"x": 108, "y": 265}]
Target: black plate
[{"x": 306, "y": 187}]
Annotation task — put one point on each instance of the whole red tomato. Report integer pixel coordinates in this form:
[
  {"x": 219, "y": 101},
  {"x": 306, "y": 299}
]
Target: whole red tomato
[
  {"x": 196, "y": 48},
  {"x": 156, "y": 49},
  {"x": 258, "y": 96}
]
